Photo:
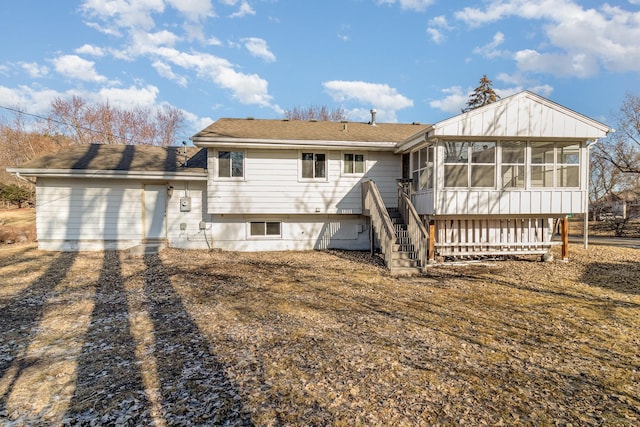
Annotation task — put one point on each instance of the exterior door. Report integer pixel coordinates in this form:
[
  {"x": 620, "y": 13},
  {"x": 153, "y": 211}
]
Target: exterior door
[{"x": 155, "y": 206}]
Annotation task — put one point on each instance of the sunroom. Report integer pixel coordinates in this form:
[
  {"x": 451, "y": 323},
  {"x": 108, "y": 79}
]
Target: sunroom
[{"x": 499, "y": 179}]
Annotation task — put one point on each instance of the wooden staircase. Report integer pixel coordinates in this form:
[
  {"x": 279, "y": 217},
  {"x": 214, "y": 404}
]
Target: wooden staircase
[{"x": 404, "y": 258}]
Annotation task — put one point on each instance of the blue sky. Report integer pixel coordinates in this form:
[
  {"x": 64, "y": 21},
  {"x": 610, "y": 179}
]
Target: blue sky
[{"x": 411, "y": 60}]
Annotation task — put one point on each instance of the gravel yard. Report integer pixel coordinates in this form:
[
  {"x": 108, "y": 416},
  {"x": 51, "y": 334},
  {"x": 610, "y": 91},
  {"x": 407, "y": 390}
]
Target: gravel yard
[{"x": 317, "y": 338}]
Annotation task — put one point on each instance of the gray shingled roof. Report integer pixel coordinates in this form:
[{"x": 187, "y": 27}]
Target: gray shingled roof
[
  {"x": 141, "y": 158},
  {"x": 301, "y": 130}
]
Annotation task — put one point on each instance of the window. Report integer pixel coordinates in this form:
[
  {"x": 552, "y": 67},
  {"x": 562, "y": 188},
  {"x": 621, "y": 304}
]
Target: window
[
  {"x": 230, "y": 164},
  {"x": 262, "y": 228},
  {"x": 422, "y": 168},
  {"x": 314, "y": 165},
  {"x": 513, "y": 161},
  {"x": 469, "y": 164},
  {"x": 352, "y": 163},
  {"x": 555, "y": 164}
]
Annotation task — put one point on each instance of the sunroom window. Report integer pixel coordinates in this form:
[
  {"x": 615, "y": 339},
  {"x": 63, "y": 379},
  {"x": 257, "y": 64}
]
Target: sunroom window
[
  {"x": 469, "y": 164},
  {"x": 513, "y": 162},
  {"x": 422, "y": 168},
  {"x": 555, "y": 164}
]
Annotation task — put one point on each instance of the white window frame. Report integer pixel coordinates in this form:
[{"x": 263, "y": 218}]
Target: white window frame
[
  {"x": 467, "y": 162},
  {"x": 555, "y": 165},
  {"x": 425, "y": 166},
  {"x": 524, "y": 164},
  {"x": 264, "y": 236},
  {"x": 326, "y": 166},
  {"x": 343, "y": 163},
  {"x": 216, "y": 174}
]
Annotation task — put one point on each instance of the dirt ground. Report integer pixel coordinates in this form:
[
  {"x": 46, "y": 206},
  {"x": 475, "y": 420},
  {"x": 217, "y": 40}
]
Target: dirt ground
[{"x": 317, "y": 338}]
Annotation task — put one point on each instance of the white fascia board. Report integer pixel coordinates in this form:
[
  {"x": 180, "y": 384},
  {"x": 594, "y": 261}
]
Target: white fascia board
[
  {"x": 73, "y": 173},
  {"x": 294, "y": 144},
  {"x": 412, "y": 141}
]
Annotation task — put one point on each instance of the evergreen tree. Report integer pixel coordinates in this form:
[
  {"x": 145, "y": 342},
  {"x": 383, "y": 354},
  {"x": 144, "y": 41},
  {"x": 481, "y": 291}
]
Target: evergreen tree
[{"x": 482, "y": 95}]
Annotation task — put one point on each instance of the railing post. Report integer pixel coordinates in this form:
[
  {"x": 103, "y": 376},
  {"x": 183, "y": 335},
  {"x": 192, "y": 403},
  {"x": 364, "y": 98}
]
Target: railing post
[
  {"x": 565, "y": 238},
  {"x": 432, "y": 242}
]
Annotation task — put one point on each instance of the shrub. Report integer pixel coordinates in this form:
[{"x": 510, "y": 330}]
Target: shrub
[{"x": 15, "y": 195}]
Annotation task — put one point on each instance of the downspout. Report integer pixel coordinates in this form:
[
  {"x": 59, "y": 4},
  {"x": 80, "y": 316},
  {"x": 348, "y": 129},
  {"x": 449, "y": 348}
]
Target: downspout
[{"x": 585, "y": 233}]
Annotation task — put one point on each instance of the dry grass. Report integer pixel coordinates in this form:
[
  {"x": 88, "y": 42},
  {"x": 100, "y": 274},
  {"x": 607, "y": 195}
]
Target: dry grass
[
  {"x": 17, "y": 225},
  {"x": 317, "y": 338}
]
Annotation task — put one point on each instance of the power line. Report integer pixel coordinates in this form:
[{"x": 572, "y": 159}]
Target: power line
[{"x": 49, "y": 119}]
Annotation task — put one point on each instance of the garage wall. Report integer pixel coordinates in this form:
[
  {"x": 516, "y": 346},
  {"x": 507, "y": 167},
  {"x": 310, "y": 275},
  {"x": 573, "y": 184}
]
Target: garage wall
[{"x": 88, "y": 214}]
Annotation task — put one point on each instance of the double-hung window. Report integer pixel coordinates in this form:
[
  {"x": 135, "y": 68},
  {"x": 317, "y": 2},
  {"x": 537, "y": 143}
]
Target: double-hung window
[
  {"x": 230, "y": 164},
  {"x": 352, "y": 164},
  {"x": 422, "y": 167},
  {"x": 314, "y": 166}
]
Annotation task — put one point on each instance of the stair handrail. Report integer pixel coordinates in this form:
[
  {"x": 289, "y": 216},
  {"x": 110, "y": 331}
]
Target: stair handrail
[
  {"x": 380, "y": 220},
  {"x": 417, "y": 231}
]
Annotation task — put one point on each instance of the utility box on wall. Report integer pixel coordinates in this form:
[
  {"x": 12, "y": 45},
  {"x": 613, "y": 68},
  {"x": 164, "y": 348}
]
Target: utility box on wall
[{"x": 185, "y": 204}]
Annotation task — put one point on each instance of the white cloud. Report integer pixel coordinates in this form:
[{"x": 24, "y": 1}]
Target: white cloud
[
  {"x": 194, "y": 10},
  {"x": 418, "y": 5},
  {"x": 581, "y": 41},
  {"x": 563, "y": 65},
  {"x": 244, "y": 10},
  {"x": 165, "y": 71},
  {"x": 490, "y": 50},
  {"x": 123, "y": 13},
  {"x": 436, "y": 35},
  {"x": 383, "y": 98},
  {"x": 436, "y": 27},
  {"x": 453, "y": 102},
  {"x": 258, "y": 48},
  {"x": 78, "y": 68},
  {"x": 128, "y": 98},
  {"x": 87, "y": 49},
  {"x": 34, "y": 70}
]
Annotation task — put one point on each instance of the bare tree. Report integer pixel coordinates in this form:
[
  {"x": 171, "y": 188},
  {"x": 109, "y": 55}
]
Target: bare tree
[
  {"x": 482, "y": 95},
  {"x": 314, "y": 112},
  {"x": 622, "y": 148},
  {"x": 105, "y": 124}
]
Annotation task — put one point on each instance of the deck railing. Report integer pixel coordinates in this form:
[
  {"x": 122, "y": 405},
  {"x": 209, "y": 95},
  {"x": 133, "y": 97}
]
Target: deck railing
[
  {"x": 416, "y": 229},
  {"x": 373, "y": 206}
]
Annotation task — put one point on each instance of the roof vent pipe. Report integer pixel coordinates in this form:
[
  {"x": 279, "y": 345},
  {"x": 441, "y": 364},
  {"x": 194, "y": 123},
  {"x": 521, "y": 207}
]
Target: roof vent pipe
[{"x": 373, "y": 117}]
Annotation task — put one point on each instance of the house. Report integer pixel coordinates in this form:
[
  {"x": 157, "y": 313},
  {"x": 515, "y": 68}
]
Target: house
[{"x": 494, "y": 180}]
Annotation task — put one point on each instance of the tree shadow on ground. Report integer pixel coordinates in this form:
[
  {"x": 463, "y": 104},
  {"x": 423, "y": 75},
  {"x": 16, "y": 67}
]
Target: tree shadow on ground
[
  {"x": 109, "y": 387},
  {"x": 194, "y": 388},
  {"x": 619, "y": 276},
  {"x": 20, "y": 316}
]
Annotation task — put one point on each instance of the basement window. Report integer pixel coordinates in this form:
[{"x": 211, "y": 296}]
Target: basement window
[{"x": 265, "y": 229}]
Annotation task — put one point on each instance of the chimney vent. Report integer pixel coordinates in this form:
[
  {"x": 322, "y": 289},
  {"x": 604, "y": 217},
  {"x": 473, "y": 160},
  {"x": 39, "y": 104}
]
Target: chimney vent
[{"x": 373, "y": 117}]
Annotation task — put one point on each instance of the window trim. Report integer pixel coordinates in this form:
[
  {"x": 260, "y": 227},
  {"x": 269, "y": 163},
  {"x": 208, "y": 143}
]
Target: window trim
[
  {"x": 265, "y": 236},
  {"x": 216, "y": 174},
  {"x": 429, "y": 165},
  {"x": 314, "y": 179},
  {"x": 470, "y": 163},
  {"x": 343, "y": 162},
  {"x": 525, "y": 162}
]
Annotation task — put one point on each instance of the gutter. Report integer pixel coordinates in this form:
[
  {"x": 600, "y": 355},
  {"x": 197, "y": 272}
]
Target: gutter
[
  {"x": 74, "y": 173},
  {"x": 207, "y": 142}
]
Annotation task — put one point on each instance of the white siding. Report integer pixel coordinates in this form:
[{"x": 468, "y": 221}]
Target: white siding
[
  {"x": 494, "y": 202},
  {"x": 191, "y": 236},
  {"x": 81, "y": 214},
  {"x": 523, "y": 115},
  {"x": 299, "y": 232},
  {"x": 272, "y": 186}
]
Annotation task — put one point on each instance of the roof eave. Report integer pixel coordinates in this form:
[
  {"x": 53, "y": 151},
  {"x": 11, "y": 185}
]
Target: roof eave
[
  {"x": 208, "y": 142},
  {"x": 95, "y": 173}
]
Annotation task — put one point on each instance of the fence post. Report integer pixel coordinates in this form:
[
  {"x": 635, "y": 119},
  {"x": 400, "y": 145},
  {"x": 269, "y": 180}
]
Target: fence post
[
  {"x": 432, "y": 242},
  {"x": 565, "y": 238}
]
